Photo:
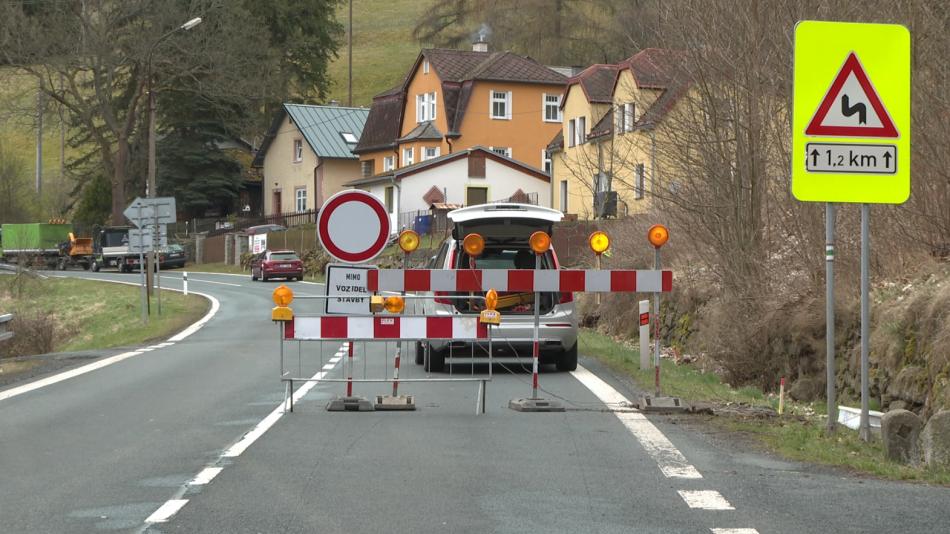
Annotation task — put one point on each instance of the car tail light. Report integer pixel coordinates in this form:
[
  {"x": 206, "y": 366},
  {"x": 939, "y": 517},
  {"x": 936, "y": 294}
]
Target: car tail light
[{"x": 566, "y": 298}]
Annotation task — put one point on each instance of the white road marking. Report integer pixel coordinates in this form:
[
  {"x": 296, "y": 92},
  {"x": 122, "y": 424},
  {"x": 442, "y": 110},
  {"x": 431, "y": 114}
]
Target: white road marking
[
  {"x": 705, "y": 499},
  {"x": 72, "y": 373},
  {"x": 205, "y": 476},
  {"x": 166, "y": 510},
  {"x": 310, "y": 283},
  {"x": 671, "y": 461},
  {"x": 329, "y": 366},
  {"x": 213, "y": 282},
  {"x": 215, "y": 306},
  {"x": 734, "y": 531}
]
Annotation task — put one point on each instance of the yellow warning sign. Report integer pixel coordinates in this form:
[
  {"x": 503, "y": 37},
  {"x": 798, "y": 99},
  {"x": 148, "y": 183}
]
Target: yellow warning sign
[{"x": 851, "y": 115}]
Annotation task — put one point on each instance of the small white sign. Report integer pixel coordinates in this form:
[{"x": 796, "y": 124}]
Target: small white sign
[
  {"x": 145, "y": 239},
  {"x": 145, "y": 211},
  {"x": 258, "y": 243},
  {"x": 851, "y": 158},
  {"x": 347, "y": 289}
]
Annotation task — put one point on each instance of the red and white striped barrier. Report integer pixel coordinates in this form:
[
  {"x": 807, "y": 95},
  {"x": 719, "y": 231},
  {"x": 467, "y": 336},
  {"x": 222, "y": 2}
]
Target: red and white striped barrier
[
  {"x": 522, "y": 280},
  {"x": 384, "y": 328}
]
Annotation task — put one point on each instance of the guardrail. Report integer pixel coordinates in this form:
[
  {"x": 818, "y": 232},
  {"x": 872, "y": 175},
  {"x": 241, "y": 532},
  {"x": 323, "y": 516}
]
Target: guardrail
[{"x": 5, "y": 321}]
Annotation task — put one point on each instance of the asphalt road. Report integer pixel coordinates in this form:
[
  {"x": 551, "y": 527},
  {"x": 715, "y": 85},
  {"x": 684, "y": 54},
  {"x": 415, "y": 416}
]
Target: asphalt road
[{"x": 190, "y": 438}]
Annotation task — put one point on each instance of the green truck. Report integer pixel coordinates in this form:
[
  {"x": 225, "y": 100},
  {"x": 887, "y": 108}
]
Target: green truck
[{"x": 33, "y": 243}]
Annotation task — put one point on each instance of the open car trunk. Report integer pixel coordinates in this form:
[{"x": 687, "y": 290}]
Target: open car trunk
[{"x": 509, "y": 303}]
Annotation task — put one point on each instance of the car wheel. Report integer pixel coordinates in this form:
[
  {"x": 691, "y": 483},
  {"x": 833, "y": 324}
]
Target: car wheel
[
  {"x": 436, "y": 361},
  {"x": 420, "y": 353},
  {"x": 568, "y": 360},
  {"x": 253, "y": 276},
  {"x": 94, "y": 266},
  {"x": 263, "y": 277}
]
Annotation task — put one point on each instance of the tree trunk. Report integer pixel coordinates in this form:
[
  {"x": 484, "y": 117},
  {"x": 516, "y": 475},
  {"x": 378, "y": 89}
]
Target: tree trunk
[{"x": 119, "y": 178}]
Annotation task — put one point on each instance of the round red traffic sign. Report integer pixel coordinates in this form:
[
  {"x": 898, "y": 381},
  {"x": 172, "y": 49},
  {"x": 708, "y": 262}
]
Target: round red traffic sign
[{"x": 353, "y": 226}]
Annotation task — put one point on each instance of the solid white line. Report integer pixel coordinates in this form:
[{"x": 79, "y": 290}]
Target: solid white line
[
  {"x": 215, "y": 306},
  {"x": 72, "y": 373},
  {"x": 205, "y": 476},
  {"x": 671, "y": 461},
  {"x": 213, "y": 282},
  {"x": 734, "y": 531},
  {"x": 705, "y": 499},
  {"x": 166, "y": 510}
]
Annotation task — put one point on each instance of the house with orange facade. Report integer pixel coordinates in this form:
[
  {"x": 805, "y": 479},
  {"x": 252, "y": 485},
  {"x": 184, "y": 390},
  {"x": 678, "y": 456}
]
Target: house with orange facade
[{"x": 454, "y": 100}]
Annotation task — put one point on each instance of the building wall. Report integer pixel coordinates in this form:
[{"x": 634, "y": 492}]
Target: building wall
[
  {"x": 422, "y": 83},
  {"x": 629, "y": 149},
  {"x": 335, "y": 173},
  {"x": 577, "y": 165}
]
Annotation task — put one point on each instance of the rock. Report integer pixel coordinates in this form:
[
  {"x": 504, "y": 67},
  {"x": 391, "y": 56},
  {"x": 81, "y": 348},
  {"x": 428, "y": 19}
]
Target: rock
[
  {"x": 910, "y": 385},
  {"x": 806, "y": 389},
  {"x": 935, "y": 440},
  {"x": 900, "y": 432},
  {"x": 897, "y": 405}
]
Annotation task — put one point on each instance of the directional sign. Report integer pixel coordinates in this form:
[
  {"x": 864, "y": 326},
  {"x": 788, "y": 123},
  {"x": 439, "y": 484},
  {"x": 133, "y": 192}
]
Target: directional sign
[
  {"x": 145, "y": 240},
  {"x": 851, "y": 117},
  {"x": 142, "y": 211},
  {"x": 353, "y": 226}
]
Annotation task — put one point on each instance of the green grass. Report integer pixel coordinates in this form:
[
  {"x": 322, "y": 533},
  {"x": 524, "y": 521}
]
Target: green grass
[
  {"x": 383, "y": 48},
  {"x": 798, "y": 435},
  {"x": 96, "y": 315}
]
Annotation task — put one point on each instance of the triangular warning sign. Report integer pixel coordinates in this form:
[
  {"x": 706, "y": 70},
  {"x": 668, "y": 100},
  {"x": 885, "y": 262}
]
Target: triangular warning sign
[{"x": 851, "y": 107}]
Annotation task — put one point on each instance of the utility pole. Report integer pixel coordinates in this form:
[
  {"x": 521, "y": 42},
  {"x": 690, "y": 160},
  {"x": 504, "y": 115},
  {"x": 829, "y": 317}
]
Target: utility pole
[
  {"x": 39, "y": 139},
  {"x": 349, "y": 50}
]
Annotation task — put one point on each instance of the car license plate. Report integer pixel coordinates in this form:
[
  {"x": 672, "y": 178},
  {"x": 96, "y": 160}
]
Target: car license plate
[{"x": 285, "y": 266}]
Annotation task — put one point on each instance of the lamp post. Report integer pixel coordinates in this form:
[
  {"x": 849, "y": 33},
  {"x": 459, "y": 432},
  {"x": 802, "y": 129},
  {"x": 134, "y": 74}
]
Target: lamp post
[{"x": 150, "y": 187}]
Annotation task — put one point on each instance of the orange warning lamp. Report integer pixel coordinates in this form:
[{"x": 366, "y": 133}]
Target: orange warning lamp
[
  {"x": 408, "y": 241},
  {"x": 283, "y": 296},
  {"x": 474, "y": 245},
  {"x": 540, "y": 242},
  {"x": 658, "y": 235},
  {"x": 599, "y": 242},
  {"x": 394, "y": 304},
  {"x": 491, "y": 299}
]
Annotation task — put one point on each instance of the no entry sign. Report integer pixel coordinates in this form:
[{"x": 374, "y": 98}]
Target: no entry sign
[{"x": 353, "y": 226}]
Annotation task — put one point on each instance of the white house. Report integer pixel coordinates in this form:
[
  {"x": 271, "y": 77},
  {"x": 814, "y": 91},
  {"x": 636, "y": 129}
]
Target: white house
[{"x": 468, "y": 177}]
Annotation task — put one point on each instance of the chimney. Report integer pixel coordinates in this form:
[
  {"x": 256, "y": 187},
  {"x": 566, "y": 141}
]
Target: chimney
[
  {"x": 335, "y": 103},
  {"x": 480, "y": 44}
]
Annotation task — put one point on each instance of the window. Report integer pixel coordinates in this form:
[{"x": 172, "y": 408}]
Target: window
[
  {"x": 476, "y": 164},
  {"x": 570, "y": 132},
  {"x": 502, "y": 150},
  {"x": 366, "y": 168},
  {"x": 629, "y": 116},
  {"x": 500, "y": 105},
  {"x": 430, "y": 152},
  {"x": 298, "y": 150},
  {"x": 425, "y": 66},
  {"x": 552, "y": 108},
  {"x": 388, "y": 194},
  {"x": 476, "y": 195},
  {"x": 425, "y": 107},
  {"x": 545, "y": 161},
  {"x": 563, "y": 196},
  {"x": 300, "y": 198},
  {"x": 388, "y": 163},
  {"x": 581, "y": 131},
  {"x": 640, "y": 181},
  {"x": 349, "y": 138},
  {"x": 408, "y": 156}
]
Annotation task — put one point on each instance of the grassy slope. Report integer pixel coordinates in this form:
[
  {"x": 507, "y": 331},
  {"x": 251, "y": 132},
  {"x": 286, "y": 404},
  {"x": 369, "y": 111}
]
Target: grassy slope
[
  {"x": 383, "y": 47},
  {"x": 93, "y": 315},
  {"x": 798, "y": 435}
]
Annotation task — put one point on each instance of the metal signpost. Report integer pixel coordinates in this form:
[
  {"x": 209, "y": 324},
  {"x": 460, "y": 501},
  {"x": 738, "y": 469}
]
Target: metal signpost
[
  {"x": 851, "y": 143},
  {"x": 150, "y": 215}
]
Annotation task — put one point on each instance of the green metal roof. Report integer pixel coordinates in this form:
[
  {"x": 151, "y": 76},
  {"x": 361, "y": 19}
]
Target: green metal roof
[{"x": 323, "y": 127}]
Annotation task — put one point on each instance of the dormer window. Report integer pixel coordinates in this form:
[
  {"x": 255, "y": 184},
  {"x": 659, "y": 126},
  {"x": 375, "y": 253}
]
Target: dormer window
[
  {"x": 425, "y": 107},
  {"x": 349, "y": 138}
]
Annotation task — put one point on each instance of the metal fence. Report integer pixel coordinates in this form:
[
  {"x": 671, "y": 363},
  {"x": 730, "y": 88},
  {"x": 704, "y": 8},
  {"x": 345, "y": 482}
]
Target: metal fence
[
  {"x": 217, "y": 225},
  {"x": 409, "y": 220},
  {"x": 5, "y": 321}
]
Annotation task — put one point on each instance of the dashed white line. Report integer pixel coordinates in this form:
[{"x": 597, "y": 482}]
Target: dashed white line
[
  {"x": 734, "y": 531},
  {"x": 205, "y": 476},
  {"x": 671, "y": 461},
  {"x": 166, "y": 510},
  {"x": 705, "y": 499}
]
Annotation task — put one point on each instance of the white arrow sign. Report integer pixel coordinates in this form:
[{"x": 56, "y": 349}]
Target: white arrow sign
[{"x": 143, "y": 211}]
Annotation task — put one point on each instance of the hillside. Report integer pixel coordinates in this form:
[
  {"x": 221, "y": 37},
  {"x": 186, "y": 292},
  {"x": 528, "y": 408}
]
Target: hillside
[{"x": 383, "y": 47}]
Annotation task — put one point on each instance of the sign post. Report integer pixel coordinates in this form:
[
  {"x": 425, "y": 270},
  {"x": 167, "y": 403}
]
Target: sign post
[
  {"x": 851, "y": 143},
  {"x": 149, "y": 215}
]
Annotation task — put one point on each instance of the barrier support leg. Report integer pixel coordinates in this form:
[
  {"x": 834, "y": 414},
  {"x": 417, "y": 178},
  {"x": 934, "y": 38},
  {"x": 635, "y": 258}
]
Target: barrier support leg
[
  {"x": 395, "y": 401},
  {"x": 349, "y": 403}
]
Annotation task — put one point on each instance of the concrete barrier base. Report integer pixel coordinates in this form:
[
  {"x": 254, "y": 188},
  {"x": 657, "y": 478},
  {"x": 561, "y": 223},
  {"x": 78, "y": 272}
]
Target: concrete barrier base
[
  {"x": 535, "y": 405},
  {"x": 662, "y": 405},
  {"x": 400, "y": 402},
  {"x": 350, "y": 404}
]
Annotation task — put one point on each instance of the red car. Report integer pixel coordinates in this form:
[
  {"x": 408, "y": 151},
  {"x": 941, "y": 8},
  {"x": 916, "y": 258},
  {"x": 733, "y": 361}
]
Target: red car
[{"x": 276, "y": 264}]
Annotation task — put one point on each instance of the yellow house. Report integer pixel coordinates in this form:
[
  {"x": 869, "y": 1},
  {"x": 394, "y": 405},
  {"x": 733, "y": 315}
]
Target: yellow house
[
  {"x": 453, "y": 100},
  {"x": 604, "y": 162},
  {"x": 306, "y": 156}
]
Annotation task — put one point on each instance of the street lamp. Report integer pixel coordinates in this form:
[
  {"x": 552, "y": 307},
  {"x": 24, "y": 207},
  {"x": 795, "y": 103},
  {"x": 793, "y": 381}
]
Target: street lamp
[{"x": 151, "y": 190}]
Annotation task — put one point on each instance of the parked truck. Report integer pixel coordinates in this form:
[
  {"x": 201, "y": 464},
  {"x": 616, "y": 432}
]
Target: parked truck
[{"x": 111, "y": 249}]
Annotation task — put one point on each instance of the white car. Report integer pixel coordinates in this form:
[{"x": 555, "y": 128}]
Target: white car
[{"x": 505, "y": 229}]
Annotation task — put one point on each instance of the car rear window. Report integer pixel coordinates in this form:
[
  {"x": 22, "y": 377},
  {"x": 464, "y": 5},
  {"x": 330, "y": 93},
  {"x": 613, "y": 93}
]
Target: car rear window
[{"x": 284, "y": 256}]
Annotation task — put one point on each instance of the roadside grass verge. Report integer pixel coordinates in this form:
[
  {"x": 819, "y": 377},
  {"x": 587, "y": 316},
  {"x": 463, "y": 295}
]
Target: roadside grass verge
[
  {"x": 84, "y": 315},
  {"x": 798, "y": 435}
]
